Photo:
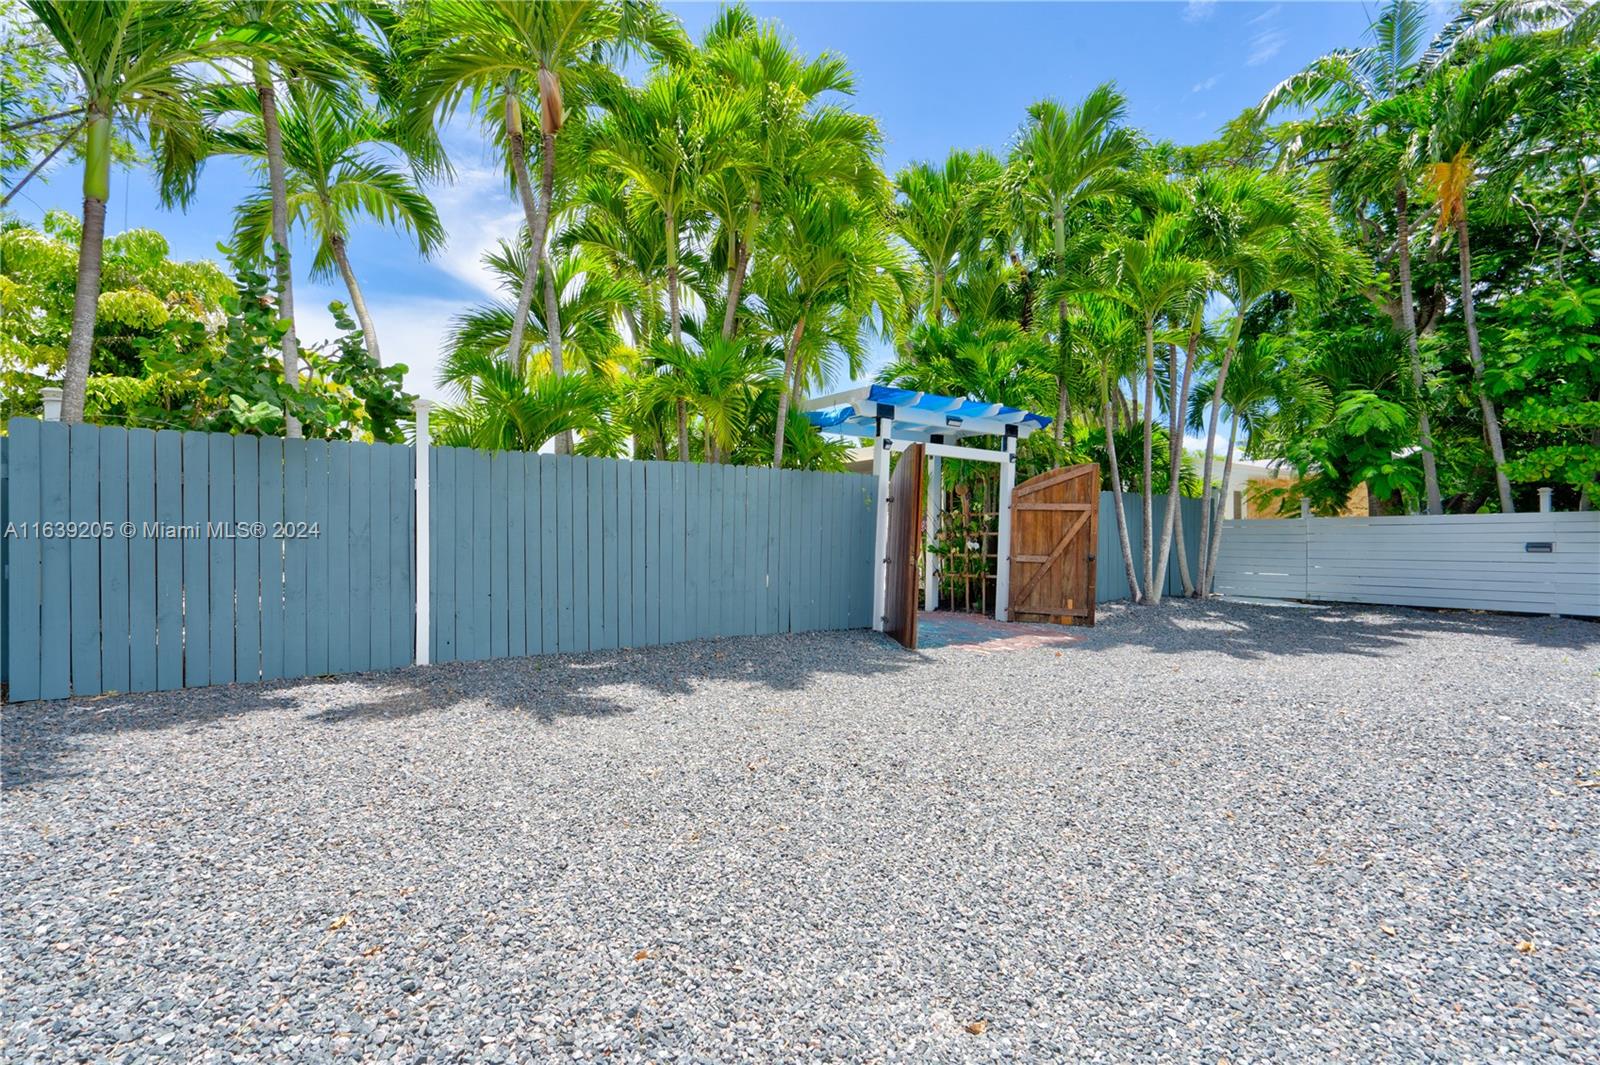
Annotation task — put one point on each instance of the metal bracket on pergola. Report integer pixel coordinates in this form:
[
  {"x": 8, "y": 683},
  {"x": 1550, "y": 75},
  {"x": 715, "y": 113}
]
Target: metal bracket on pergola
[{"x": 897, "y": 418}]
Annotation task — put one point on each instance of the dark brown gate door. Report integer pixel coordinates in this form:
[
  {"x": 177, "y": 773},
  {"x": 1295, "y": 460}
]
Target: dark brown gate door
[
  {"x": 905, "y": 547},
  {"x": 1055, "y": 525}
]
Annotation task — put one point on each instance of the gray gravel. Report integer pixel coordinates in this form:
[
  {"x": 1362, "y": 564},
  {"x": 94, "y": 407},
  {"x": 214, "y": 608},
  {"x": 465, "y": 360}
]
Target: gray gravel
[{"x": 1229, "y": 832}]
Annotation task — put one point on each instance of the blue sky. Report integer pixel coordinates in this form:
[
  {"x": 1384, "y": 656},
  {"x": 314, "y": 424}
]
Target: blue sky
[{"x": 936, "y": 75}]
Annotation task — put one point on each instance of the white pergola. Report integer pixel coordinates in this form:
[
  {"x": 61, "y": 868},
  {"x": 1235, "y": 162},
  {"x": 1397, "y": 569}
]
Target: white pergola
[{"x": 897, "y": 418}]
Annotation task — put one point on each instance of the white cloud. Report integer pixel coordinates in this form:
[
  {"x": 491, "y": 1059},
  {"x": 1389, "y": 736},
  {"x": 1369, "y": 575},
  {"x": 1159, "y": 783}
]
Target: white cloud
[
  {"x": 1265, "y": 16},
  {"x": 1207, "y": 85},
  {"x": 477, "y": 211},
  {"x": 1265, "y": 45},
  {"x": 411, "y": 330},
  {"x": 1198, "y": 10}
]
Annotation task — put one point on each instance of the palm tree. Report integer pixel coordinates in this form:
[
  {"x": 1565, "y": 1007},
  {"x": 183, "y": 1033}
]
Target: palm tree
[
  {"x": 592, "y": 299},
  {"x": 664, "y": 139},
  {"x": 832, "y": 265},
  {"x": 1107, "y": 333},
  {"x": 1265, "y": 235},
  {"x": 1151, "y": 275},
  {"x": 338, "y": 166},
  {"x": 939, "y": 212},
  {"x": 1371, "y": 148},
  {"x": 995, "y": 361},
  {"x": 129, "y": 58},
  {"x": 790, "y": 138},
  {"x": 503, "y": 410},
  {"x": 721, "y": 383},
  {"x": 1266, "y": 381},
  {"x": 272, "y": 36},
  {"x": 496, "y": 52},
  {"x": 1469, "y": 105},
  {"x": 1063, "y": 159}
]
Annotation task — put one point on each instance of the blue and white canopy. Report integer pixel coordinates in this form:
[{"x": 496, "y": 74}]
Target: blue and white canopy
[{"x": 917, "y": 417}]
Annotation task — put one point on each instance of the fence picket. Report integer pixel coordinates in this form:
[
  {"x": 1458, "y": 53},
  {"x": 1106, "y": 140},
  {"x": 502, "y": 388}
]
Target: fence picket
[
  {"x": 141, "y": 548},
  {"x": 270, "y": 555},
  {"x": 247, "y": 558}
]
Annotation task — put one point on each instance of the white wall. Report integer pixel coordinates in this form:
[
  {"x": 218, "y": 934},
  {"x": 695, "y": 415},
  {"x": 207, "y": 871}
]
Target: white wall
[{"x": 1467, "y": 561}]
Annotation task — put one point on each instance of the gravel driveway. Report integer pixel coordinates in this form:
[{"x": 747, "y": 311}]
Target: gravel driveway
[{"x": 1205, "y": 833}]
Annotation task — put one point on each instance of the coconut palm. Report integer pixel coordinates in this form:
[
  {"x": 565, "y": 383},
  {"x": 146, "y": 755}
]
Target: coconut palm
[
  {"x": 341, "y": 163},
  {"x": 501, "y": 55},
  {"x": 1062, "y": 159},
  {"x": 129, "y": 59}
]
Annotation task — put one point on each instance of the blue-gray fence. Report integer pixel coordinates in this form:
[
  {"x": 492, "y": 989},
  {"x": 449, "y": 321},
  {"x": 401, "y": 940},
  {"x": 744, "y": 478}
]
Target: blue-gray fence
[
  {"x": 536, "y": 554},
  {"x": 137, "y": 560},
  {"x": 1111, "y": 575}
]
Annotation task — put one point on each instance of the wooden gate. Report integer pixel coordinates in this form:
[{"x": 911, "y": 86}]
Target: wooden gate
[
  {"x": 905, "y": 547},
  {"x": 1055, "y": 525}
]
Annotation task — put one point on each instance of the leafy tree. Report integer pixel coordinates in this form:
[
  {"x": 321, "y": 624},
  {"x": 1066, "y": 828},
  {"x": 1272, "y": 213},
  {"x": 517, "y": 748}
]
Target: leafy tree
[
  {"x": 142, "y": 291},
  {"x": 230, "y": 379}
]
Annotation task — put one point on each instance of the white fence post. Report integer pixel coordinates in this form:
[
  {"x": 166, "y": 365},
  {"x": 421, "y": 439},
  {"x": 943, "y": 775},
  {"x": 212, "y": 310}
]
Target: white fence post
[
  {"x": 883, "y": 447},
  {"x": 930, "y": 561},
  {"x": 424, "y": 577},
  {"x": 1544, "y": 500},
  {"x": 1008, "y": 481},
  {"x": 52, "y": 403}
]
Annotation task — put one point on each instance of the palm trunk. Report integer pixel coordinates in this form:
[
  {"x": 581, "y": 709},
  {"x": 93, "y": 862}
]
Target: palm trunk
[
  {"x": 675, "y": 324},
  {"x": 1209, "y": 515},
  {"x": 674, "y": 313},
  {"x": 1058, "y": 223},
  {"x": 1183, "y": 554},
  {"x": 1180, "y": 402},
  {"x": 1215, "y": 546},
  {"x": 1408, "y": 318},
  {"x": 789, "y": 371},
  {"x": 1122, "y": 516},
  {"x": 369, "y": 332},
  {"x": 535, "y": 216},
  {"x": 730, "y": 316},
  {"x": 552, "y": 314},
  {"x": 91, "y": 249},
  {"x": 267, "y": 94},
  {"x": 1146, "y": 540},
  {"x": 741, "y": 264},
  {"x": 1491, "y": 421}
]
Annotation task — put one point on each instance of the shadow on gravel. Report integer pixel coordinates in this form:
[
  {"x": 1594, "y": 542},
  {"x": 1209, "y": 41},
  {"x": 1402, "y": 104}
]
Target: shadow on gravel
[
  {"x": 1252, "y": 631},
  {"x": 36, "y": 738}
]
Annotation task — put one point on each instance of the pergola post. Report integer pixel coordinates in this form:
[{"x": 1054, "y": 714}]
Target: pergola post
[
  {"x": 1008, "y": 482},
  {"x": 930, "y": 531},
  {"x": 881, "y": 451}
]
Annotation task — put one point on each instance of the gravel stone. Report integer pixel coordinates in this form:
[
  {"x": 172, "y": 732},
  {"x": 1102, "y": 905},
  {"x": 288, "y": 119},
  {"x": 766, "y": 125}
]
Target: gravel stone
[{"x": 1206, "y": 832}]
